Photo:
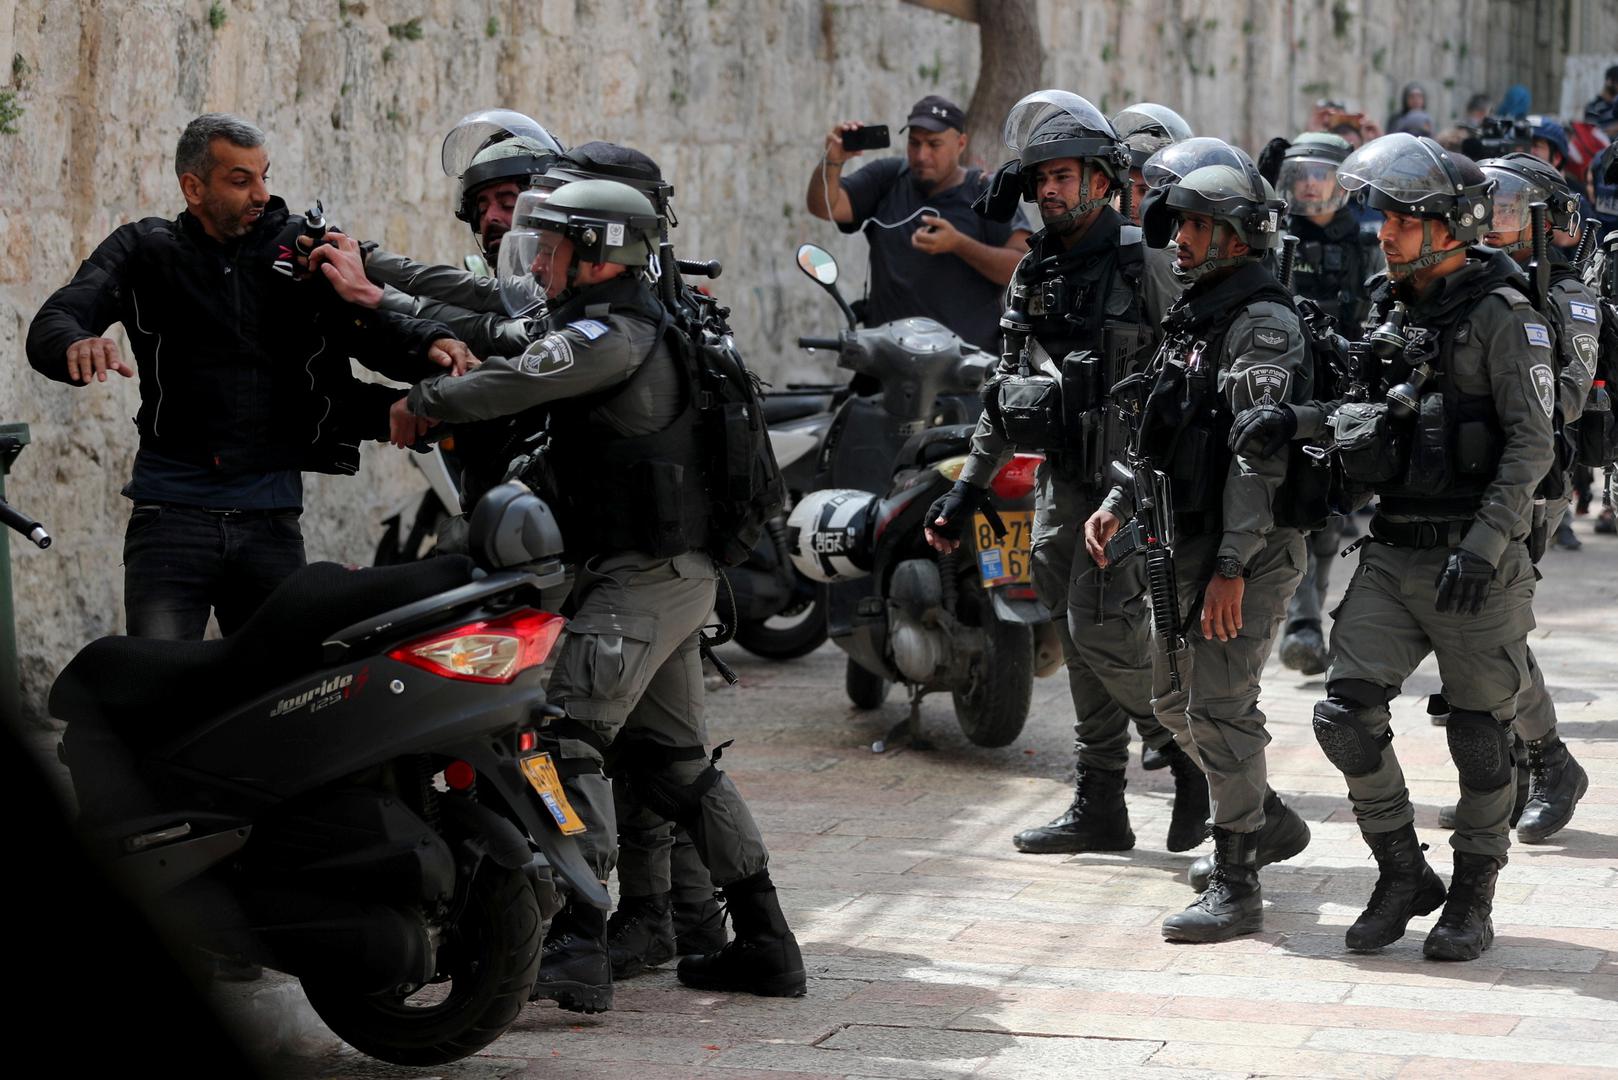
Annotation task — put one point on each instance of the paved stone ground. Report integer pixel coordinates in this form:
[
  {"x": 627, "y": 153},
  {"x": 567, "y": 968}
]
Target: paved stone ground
[{"x": 936, "y": 950}]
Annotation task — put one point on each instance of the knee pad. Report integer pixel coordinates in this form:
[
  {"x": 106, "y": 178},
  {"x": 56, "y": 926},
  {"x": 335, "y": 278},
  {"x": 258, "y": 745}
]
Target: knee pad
[
  {"x": 1341, "y": 731},
  {"x": 1481, "y": 748}
]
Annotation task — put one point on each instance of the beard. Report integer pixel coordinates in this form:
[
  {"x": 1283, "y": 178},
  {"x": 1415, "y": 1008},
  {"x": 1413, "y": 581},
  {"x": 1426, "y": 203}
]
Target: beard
[{"x": 228, "y": 220}]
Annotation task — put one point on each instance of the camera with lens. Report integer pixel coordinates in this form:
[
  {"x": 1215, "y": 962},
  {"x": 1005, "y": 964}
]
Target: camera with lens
[
  {"x": 293, "y": 260},
  {"x": 1414, "y": 368},
  {"x": 1497, "y": 136}
]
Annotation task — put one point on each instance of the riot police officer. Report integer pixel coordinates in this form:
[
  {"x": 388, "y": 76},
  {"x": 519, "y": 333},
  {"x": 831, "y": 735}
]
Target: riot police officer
[
  {"x": 1232, "y": 340},
  {"x": 629, "y": 490},
  {"x": 1334, "y": 259},
  {"x": 1089, "y": 304},
  {"x": 1454, "y": 451},
  {"x": 1550, "y": 782},
  {"x": 1144, "y": 128}
]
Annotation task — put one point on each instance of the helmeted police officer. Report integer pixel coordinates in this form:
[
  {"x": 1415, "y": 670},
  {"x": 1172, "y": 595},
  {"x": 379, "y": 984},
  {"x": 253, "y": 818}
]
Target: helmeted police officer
[
  {"x": 629, "y": 491},
  {"x": 1144, "y": 128},
  {"x": 1091, "y": 306},
  {"x": 1334, "y": 259},
  {"x": 1232, "y": 340},
  {"x": 1549, "y": 781},
  {"x": 1454, "y": 452}
]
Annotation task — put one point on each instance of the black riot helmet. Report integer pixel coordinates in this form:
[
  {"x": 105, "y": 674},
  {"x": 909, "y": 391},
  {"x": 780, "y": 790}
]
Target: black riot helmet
[
  {"x": 1241, "y": 204},
  {"x": 490, "y": 146},
  {"x": 1521, "y": 180},
  {"x": 610, "y": 161},
  {"x": 1146, "y": 127},
  {"x": 1050, "y": 125},
  {"x": 1410, "y": 174}
]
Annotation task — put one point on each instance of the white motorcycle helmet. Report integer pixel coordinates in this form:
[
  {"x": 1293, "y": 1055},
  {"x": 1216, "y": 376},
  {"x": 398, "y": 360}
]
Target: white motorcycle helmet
[{"x": 829, "y": 534}]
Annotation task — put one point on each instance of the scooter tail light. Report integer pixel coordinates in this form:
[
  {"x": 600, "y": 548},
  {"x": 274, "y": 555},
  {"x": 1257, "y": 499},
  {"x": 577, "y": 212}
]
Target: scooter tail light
[
  {"x": 487, "y": 651},
  {"x": 1015, "y": 480}
]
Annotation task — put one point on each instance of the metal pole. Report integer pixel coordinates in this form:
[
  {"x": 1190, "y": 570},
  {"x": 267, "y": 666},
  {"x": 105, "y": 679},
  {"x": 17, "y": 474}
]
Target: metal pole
[{"x": 13, "y": 437}]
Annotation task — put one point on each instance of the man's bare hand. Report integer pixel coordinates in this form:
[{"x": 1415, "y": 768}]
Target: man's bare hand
[
  {"x": 936, "y": 236},
  {"x": 941, "y": 544},
  {"x": 404, "y": 426},
  {"x": 1222, "y": 607},
  {"x": 452, "y": 354},
  {"x": 835, "y": 154},
  {"x": 93, "y": 358},
  {"x": 340, "y": 260},
  {"x": 1102, "y": 526}
]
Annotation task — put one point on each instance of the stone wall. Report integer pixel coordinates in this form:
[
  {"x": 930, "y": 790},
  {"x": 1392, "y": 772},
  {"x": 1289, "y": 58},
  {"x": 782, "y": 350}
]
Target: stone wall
[{"x": 732, "y": 96}]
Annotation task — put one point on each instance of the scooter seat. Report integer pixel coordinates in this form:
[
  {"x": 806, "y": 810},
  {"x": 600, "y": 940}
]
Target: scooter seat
[
  {"x": 150, "y": 689},
  {"x": 779, "y": 408},
  {"x": 935, "y": 444}
]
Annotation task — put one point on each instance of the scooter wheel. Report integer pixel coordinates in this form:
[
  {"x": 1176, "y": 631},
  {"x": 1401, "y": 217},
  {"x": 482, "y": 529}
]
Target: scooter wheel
[
  {"x": 866, "y": 689},
  {"x": 786, "y": 636}
]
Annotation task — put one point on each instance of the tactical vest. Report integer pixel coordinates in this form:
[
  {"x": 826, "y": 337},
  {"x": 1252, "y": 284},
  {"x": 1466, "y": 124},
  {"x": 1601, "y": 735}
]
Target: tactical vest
[
  {"x": 622, "y": 492},
  {"x": 1332, "y": 270},
  {"x": 1453, "y": 445}
]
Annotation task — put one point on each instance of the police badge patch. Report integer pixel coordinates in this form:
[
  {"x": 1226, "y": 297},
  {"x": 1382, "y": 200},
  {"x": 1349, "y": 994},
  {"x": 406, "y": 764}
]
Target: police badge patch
[
  {"x": 1266, "y": 382},
  {"x": 1587, "y": 348},
  {"x": 547, "y": 356},
  {"x": 1544, "y": 381}
]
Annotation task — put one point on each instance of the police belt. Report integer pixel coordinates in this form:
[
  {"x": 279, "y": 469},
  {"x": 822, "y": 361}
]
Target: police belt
[{"x": 1418, "y": 534}]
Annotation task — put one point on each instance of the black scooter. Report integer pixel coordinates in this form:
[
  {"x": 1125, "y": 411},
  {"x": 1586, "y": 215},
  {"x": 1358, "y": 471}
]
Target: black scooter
[
  {"x": 359, "y": 787},
  {"x": 967, "y": 622}
]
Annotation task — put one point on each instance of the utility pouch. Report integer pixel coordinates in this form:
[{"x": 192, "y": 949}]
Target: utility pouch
[
  {"x": 1429, "y": 472},
  {"x": 1030, "y": 408},
  {"x": 1371, "y": 451}
]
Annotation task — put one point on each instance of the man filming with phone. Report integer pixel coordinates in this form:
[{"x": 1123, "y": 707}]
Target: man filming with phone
[{"x": 931, "y": 255}]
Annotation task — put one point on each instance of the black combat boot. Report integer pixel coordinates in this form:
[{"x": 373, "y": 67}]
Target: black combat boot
[
  {"x": 1556, "y": 783},
  {"x": 1464, "y": 930},
  {"x": 1406, "y": 886},
  {"x": 1303, "y": 649},
  {"x": 1231, "y": 905},
  {"x": 640, "y": 935},
  {"x": 699, "y": 926},
  {"x": 1446, "y": 814},
  {"x": 1153, "y": 759},
  {"x": 1282, "y": 836},
  {"x": 764, "y": 959},
  {"x": 1098, "y": 820},
  {"x": 1188, "y": 825},
  {"x": 574, "y": 970}
]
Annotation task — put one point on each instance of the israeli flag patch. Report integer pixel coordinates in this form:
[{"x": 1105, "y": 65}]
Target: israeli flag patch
[
  {"x": 1582, "y": 312},
  {"x": 1537, "y": 335},
  {"x": 590, "y": 328}
]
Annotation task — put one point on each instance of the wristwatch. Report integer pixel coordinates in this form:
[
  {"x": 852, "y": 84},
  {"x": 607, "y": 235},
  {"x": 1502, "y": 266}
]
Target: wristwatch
[{"x": 1228, "y": 566}]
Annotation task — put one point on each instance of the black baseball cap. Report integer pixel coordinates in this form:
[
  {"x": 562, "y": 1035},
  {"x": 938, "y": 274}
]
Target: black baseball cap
[{"x": 934, "y": 113}]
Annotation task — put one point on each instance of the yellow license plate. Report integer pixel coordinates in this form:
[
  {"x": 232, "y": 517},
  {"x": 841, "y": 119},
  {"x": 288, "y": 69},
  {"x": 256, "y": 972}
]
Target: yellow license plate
[
  {"x": 542, "y": 774},
  {"x": 1005, "y": 561}
]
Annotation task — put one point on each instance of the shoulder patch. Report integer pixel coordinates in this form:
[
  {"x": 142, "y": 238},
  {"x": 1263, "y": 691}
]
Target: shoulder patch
[
  {"x": 1544, "y": 381},
  {"x": 590, "y": 328},
  {"x": 1267, "y": 382},
  {"x": 1587, "y": 349},
  {"x": 1272, "y": 339},
  {"x": 550, "y": 355},
  {"x": 1583, "y": 312},
  {"x": 1538, "y": 335}
]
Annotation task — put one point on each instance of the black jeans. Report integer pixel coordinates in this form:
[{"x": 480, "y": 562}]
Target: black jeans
[{"x": 180, "y": 563}]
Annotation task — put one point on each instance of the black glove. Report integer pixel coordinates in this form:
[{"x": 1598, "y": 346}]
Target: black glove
[
  {"x": 954, "y": 506},
  {"x": 1263, "y": 430},
  {"x": 1463, "y": 584}
]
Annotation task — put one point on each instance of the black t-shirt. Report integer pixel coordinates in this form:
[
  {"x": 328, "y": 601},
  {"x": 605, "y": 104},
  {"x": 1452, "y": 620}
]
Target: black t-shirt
[{"x": 906, "y": 281}]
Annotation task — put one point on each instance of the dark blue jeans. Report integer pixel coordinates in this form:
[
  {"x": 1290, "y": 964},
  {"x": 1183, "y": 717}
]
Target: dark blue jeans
[{"x": 180, "y": 564}]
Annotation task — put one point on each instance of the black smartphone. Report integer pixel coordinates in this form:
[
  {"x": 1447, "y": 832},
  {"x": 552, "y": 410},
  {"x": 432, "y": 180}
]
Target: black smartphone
[{"x": 869, "y": 137}]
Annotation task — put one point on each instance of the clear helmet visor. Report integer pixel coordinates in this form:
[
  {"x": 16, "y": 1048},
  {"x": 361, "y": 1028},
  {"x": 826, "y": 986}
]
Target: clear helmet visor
[
  {"x": 478, "y": 130},
  {"x": 1041, "y": 109},
  {"x": 1400, "y": 166},
  {"x": 1309, "y": 186},
  {"x": 524, "y": 270},
  {"x": 1172, "y": 163},
  {"x": 1513, "y": 196},
  {"x": 1149, "y": 118}
]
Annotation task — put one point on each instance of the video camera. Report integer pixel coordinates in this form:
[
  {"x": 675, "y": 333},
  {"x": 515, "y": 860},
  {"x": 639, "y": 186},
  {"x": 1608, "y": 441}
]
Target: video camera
[{"x": 1497, "y": 136}]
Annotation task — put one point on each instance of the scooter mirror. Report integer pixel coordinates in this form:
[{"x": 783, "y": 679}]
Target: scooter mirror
[{"x": 818, "y": 263}]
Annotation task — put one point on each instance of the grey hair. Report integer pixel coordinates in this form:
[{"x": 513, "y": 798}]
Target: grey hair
[{"x": 194, "y": 154}]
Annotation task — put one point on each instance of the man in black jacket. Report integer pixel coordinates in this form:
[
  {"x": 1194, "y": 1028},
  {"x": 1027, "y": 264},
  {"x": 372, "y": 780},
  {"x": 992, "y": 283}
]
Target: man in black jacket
[{"x": 245, "y": 381}]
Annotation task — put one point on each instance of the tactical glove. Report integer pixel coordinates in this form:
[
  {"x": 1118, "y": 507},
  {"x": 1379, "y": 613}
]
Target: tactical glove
[
  {"x": 955, "y": 506},
  {"x": 1263, "y": 430},
  {"x": 1463, "y": 584}
]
